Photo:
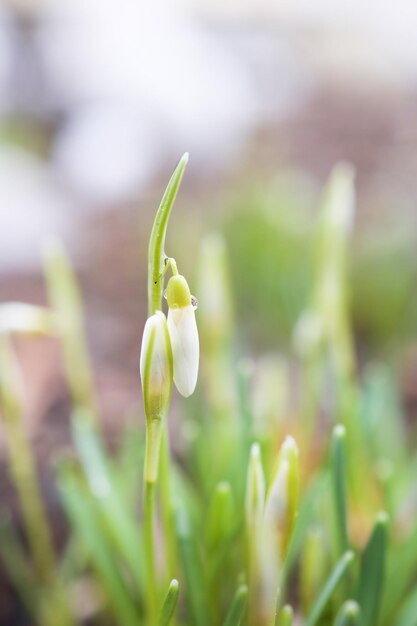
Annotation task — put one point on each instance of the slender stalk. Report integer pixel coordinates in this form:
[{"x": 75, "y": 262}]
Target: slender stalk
[
  {"x": 156, "y": 270},
  {"x": 149, "y": 546}
]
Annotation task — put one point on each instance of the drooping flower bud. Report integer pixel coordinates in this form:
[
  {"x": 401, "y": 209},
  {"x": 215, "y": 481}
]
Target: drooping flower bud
[
  {"x": 156, "y": 367},
  {"x": 183, "y": 333}
]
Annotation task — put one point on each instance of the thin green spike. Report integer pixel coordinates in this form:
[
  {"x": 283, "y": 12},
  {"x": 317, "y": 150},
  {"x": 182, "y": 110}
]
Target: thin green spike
[
  {"x": 170, "y": 604},
  {"x": 193, "y": 571},
  {"x": 338, "y": 465},
  {"x": 329, "y": 587},
  {"x": 237, "y": 608},
  {"x": 372, "y": 571}
]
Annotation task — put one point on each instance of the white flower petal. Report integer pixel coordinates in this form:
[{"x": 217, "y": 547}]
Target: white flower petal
[{"x": 183, "y": 333}]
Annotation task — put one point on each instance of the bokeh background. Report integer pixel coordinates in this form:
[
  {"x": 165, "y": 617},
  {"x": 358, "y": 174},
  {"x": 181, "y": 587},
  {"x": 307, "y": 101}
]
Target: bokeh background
[{"x": 99, "y": 99}]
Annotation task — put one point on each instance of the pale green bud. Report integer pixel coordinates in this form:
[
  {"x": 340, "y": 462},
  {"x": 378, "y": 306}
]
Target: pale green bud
[
  {"x": 156, "y": 369},
  {"x": 178, "y": 292}
]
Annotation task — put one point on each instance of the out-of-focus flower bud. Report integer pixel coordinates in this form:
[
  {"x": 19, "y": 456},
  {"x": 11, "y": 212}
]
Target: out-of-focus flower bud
[
  {"x": 183, "y": 333},
  {"x": 19, "y": 317},
  {"x": 156, "y": 367},
  {"x": 255, "y": 489},
  {"x": 281, "y": 505}
]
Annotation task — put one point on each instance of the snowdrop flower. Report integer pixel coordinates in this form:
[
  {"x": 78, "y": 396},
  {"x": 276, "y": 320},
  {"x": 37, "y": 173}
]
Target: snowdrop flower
[
  {"x": 156, "y": 369},
  {"x": 183, "y": 333}
]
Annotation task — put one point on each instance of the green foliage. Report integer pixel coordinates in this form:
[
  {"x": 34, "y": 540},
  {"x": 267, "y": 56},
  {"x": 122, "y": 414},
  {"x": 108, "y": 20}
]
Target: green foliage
[{"x": 268, "y": 511}]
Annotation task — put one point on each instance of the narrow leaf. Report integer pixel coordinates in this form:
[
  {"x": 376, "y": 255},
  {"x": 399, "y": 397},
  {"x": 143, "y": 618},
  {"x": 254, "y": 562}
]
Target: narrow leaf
[
  {"x": 328, "y": 589},
  {"x": 193, "y": 572},
  {"x": 372, "y": 572},
  {"x": 339, "y": 486},
  {"x": 79, "y": 506},
  {"x": 169, "y": 605},
  {"x": 237, "y": 608},
  {"x": 408, "y": 614}
]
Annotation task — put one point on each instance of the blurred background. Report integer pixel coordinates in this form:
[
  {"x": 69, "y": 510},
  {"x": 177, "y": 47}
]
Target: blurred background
[{"x": 98, "y": 100}]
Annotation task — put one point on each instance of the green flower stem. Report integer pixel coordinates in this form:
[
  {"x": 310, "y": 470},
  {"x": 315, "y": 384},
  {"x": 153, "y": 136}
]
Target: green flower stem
[
  {"x": 156, "y": 270},
  {"x": 154, "y": 431},
  {"x": 153, "y": 441},
  {"x": 171, "y": 262},
  {"x": 149, "y": 547}
]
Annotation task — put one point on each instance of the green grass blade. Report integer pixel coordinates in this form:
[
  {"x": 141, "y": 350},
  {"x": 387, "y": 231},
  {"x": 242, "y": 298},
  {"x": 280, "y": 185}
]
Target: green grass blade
[
  {"x": 237, "y": 608},
  {"x": 401, "y": 570},
  {"x": 372, "y": 572},
  {"x": 220, "y": 515},
  {"x": 170, "y": 604},
  {"x": 329, "y": 587},
  {"x": 195, "y": 583},
  {"x": 338, "y": 465},
  {"x": 305, "y": 516},
  {"x": 120, "y": 525}
]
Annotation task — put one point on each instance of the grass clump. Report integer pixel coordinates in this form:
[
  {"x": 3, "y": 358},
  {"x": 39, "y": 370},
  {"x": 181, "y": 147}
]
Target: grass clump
[{"x": 281, "y": 495}]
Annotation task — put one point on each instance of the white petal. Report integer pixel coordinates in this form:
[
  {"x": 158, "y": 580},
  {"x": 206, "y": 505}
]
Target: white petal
[{"x": 183, "y": 333}]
